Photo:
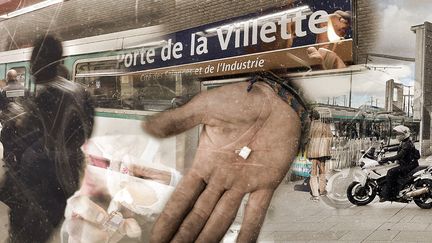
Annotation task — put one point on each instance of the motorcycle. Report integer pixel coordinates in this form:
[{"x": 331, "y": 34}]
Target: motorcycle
[{"x": 416, "y": 186}]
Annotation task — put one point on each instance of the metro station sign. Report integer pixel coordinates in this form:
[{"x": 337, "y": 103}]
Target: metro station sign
[{"x": 277, "y": 38}]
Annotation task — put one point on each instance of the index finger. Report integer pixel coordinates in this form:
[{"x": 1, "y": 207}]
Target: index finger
[{"x": 87, "y": 209}]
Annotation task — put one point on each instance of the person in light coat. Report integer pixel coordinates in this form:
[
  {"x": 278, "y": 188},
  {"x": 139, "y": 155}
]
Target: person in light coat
[{"x": 318, "y": 152}]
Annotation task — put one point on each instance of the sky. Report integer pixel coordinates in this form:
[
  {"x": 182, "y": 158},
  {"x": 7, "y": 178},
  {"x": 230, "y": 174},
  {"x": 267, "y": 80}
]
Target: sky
[
  {"x": 398, "y": 16},
  {"x": 394, "y": 38},
  {"x": 365, "y": 84}
]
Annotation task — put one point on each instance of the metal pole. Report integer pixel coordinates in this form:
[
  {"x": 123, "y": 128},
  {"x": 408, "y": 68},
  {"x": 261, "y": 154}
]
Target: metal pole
[
  {"x": 409, "y": 98},
  {"x": 350, "y": 91}
]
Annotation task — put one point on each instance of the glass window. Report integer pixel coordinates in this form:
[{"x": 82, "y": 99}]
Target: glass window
[{"x": 153, "y": 92}]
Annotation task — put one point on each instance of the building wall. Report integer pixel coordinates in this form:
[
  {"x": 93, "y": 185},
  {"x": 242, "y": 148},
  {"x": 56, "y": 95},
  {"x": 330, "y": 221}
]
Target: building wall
[
  {"x": 423, "y": 85},
  {"x": 366, "y": 28},
  {"x": 193, "y": 13},
  {"x": 427, "y": 91}
]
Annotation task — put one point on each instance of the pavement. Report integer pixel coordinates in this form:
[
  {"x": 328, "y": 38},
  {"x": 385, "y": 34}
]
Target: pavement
[{"x": 293, "y": 217}]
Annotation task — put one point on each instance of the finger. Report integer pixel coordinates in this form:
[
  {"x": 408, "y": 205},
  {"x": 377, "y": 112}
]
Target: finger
[
  {"x": 222, "y": 217},
  {"x": 85, "y": 208},
  {"x": 81, "y": 231},
  {"x": 255, "y": 213},
  {"x": 131, "y": 228},
  {"x": 150, "y": 173},
  {"x": 196, "y": 219},
  {"x": 178, "y": 120},
  {"x": 178, "y": 206}
]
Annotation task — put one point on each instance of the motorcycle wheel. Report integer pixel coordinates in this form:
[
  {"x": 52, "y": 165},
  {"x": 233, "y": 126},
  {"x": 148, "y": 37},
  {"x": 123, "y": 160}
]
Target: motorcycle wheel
[
  {"x": 424, "y": 201},
  {"x": 360, "y": 195}
]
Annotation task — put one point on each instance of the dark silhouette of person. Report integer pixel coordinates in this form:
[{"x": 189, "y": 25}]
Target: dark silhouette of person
[
  {"x": 13, "y": 92},
  {"x": 48, "y": 163},
  {"x": 405, "y": 159},
  {"x": 63, "y": 71},
  {"x": 12, "y": 82}
]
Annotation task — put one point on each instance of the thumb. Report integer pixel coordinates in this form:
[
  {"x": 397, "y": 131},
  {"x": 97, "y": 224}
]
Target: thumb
[{"x": 131, "y": 228}]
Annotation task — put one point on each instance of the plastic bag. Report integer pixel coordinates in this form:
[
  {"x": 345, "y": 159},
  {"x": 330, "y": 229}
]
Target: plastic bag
[{"x": 301, "y": 166}]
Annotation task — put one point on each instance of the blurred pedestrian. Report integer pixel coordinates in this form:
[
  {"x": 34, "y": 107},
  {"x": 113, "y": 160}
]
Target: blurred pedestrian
[
  {"x": 57, "y": 121},
  {"x": 318, "y": 152},
  {"x": 13, "y": 90},
  {"x": 12, "y": 82}
]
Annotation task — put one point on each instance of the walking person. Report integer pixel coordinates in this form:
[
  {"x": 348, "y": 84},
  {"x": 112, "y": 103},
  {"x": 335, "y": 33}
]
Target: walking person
[
  {"x": 48, "y": 163},
  {"x": 318, "y": 152}
]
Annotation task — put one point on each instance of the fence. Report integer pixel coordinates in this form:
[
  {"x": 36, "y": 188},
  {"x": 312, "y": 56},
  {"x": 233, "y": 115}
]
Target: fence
[{"x": 345, "y": 153}]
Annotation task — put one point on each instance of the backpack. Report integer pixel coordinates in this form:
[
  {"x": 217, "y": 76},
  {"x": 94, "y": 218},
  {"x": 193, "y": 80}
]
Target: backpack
[{"x": 415, "y": 154}]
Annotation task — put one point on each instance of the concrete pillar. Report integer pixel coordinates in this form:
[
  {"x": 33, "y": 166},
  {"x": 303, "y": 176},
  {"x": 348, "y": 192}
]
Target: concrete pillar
[
  {"x": 389, "y": 95},
  {"x": 423, "y": 84},
  {"x": 394, "y": 96}
]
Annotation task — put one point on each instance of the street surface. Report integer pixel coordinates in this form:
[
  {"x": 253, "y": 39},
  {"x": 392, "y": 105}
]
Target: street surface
[{"x": 293, "y": 217}]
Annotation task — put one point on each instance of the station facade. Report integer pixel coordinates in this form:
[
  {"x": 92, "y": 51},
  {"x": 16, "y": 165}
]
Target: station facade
[{"x": 184, "y": 26}]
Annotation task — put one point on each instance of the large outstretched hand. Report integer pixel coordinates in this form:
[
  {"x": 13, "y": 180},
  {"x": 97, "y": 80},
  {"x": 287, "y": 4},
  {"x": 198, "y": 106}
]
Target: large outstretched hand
[{"x": 206, "y": 201}]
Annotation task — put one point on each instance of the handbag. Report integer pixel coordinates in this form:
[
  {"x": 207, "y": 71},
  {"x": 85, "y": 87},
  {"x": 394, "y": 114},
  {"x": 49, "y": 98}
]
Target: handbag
[{"x": 301, "y": 165}]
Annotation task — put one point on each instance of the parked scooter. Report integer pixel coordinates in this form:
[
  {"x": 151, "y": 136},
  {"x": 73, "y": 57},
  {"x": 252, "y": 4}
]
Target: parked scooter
[{"x": 416, "y": 186}]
